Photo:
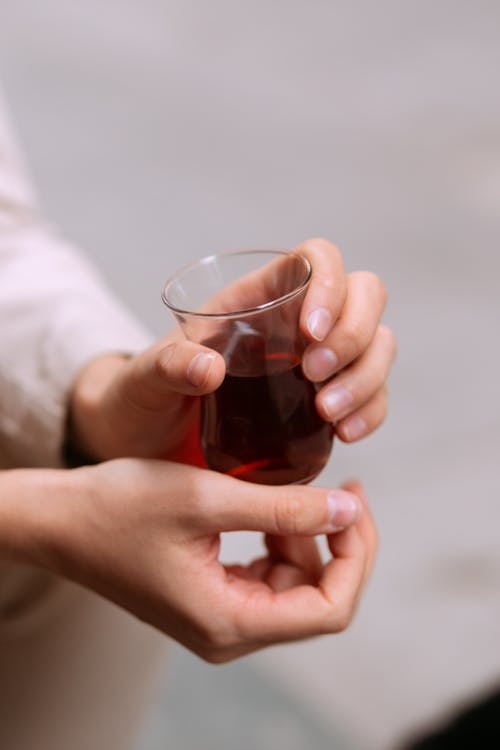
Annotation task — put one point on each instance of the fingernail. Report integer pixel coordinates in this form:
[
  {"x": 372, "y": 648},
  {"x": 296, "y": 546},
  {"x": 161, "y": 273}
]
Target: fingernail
[
  {"x": 199, "y": 367},
  {"x": 354, "y": 428},
  {"x": 319, "y": 323},
  {"x": 319, "y": 364},
  {"x": 344, "y": 509},
  {"x": 335, "y": 401}
]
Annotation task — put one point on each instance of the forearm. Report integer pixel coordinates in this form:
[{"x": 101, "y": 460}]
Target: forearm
[{"x": 29, "y": 502}]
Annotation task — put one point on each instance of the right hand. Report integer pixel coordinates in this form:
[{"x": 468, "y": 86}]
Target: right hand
[
  {"x": 148, "y": 405},
  {"x": 146, "y": 535}
]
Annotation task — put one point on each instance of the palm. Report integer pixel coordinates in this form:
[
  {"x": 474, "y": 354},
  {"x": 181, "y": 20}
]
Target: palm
[{"x": 291, "y": 561}]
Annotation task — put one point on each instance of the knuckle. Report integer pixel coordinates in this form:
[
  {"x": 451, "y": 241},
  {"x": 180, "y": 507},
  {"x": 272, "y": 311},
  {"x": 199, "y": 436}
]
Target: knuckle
[
  {"x": 384, "y": 402},
  {"x": 214, "y": 649},
  {"x": 322, "y": 244},
  {"x": 214, "y": 639},
  {"x": 342, "y": 616},
  {"x": 287, "y": 514},
  {"x": 379, "y": 420},
  {"x": 343, "y": 619},
  {"x": 353, "y": 337},
  {"x": 215, "y": 657},
  {"x": 196, "y": 497},
  {"x": 337, "y": 619},
  {"x": 384, "y": 294},
  {"x": 321, "y": 252},
  {"x": 246, "y": 623},
  {"x": 327, "y": 281},
  {"x": 389, "y": 338},
  {"x": 378, "y": 285},
  {"x": 163, "y": 362},
  {"x": 368, "y": 286},
  {"x": 373, "y": 282},
  {"x": 373, "y": 536},
  {"x": 376, "y": 411}
]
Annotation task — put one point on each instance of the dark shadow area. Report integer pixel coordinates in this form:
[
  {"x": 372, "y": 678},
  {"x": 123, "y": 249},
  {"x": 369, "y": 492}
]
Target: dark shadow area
[{"x": 474, "y": 727}]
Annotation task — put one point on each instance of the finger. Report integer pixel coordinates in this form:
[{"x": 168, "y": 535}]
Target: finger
[
  {"x": 282, "y": 577},
  {"x": 277, "y": 575},
  {"x": 327, "y": 290},
  {"x": 292, "y": 561},
  {"x": 337, "y": 544},
  {"x": 231, "y": 505},
  {"x": 366, "y": 526},
  {"x": 181, "y": 366},
  {"x": 301, "y": 552},
  {"x": 283, "y": 568},
  {"x": 265, "y": 283},
  {"x": 353, "y": 331},
  {"x": 257, "y": 570},
  {"x": 364, "y": 420},
  {"x": 359, "y": 382},
  {"x": 284, "y": 609},
  {"x": 304, "y": 610}
]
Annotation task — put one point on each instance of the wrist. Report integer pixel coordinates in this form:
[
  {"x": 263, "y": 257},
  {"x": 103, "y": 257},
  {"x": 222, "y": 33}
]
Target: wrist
[{"x": 87, "y": 425}]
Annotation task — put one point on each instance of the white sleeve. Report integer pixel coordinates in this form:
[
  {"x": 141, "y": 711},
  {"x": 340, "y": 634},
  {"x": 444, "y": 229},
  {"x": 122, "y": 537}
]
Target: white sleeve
[{"x": 55, "y": 314}]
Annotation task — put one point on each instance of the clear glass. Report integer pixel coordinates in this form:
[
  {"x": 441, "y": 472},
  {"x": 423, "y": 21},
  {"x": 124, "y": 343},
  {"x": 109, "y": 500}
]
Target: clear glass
[{"x": 261, "y": 424}]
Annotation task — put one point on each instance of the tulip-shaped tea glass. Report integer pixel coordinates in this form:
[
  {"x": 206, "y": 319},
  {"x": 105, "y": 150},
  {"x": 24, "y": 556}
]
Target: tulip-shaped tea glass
[{"x": 261, "y": 424}]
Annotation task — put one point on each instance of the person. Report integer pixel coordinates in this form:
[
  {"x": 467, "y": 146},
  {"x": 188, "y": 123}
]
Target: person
[{"x": 132, "y": 523}]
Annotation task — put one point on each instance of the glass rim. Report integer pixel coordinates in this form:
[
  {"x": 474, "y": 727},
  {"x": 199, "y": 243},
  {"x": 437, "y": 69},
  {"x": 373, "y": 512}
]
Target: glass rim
[{"x": 246, "y": 310}]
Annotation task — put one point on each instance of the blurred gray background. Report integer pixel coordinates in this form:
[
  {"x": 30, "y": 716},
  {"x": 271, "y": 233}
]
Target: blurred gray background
[{"x": 161, "y": 130}]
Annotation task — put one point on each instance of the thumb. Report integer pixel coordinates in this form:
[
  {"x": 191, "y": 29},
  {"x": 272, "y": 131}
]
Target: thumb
[
  {"x": 181, "y": 366},
  {"x": 281, "y": 510}
]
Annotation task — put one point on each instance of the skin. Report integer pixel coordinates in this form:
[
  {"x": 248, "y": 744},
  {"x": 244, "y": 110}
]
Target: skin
[
  {"x": 148, "y": 405},
  {"x": 145, "y": 533}
]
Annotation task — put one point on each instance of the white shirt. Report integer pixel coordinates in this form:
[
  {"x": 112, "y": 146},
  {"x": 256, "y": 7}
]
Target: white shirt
[{"x": 55, "y": 315}]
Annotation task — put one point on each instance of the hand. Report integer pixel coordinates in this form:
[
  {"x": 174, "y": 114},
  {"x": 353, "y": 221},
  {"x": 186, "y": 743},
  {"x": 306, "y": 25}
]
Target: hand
[
  {"x": 351, "y": 352},
  {"x": 148, "y": 405},
  {"x": 145, "y": 534}
]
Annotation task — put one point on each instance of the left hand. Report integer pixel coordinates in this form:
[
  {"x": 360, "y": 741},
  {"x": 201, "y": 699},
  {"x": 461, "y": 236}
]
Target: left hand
[
  {"x": 148, "y": 405},
  {"x": 146, "y": 535}
]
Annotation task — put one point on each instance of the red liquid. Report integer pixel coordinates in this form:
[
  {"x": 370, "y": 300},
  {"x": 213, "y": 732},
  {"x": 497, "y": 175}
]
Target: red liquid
[{"x": 264, "y": 427}]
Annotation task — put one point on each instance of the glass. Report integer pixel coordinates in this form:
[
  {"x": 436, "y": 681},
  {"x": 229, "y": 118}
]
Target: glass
[{"x": 261, "y": 424}]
